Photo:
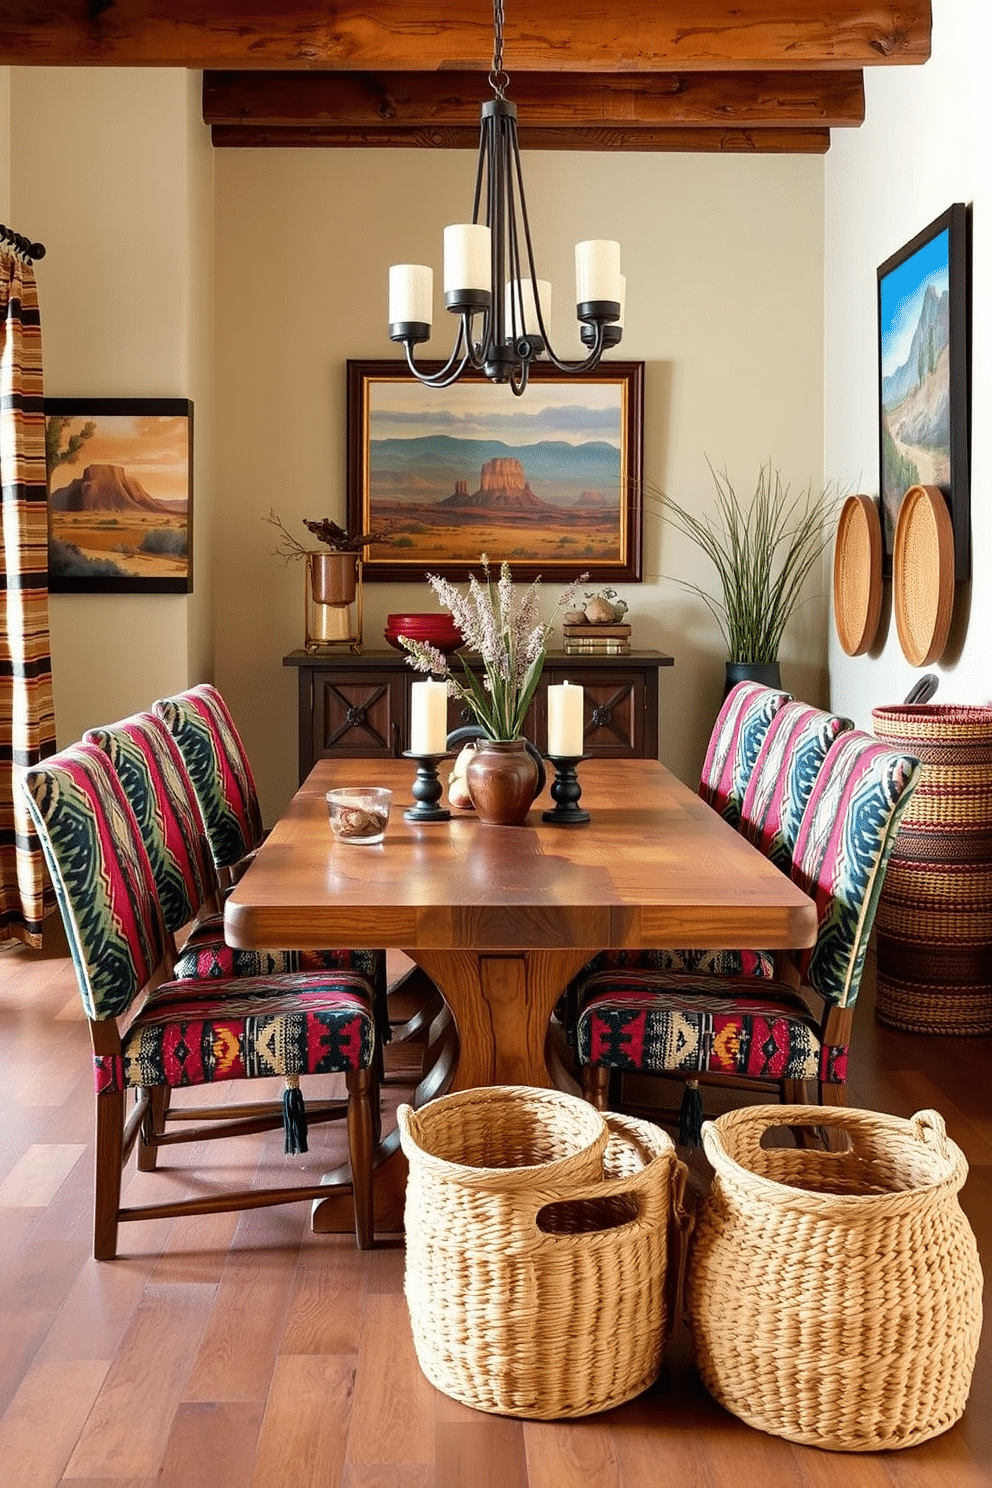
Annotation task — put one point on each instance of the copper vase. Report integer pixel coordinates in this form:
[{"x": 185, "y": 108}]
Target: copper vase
[{"x": 502, "y": 780}]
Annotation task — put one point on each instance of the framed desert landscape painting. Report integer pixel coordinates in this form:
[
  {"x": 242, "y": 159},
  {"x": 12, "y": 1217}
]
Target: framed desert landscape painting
[
  {"x": 923, "y": 333},
  {"x": 120, "y": 495},
  {"x": 549, "y": 482}
]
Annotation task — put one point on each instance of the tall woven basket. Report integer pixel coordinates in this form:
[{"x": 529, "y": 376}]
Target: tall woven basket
[
  {"x": 835, "y": 1297},
  {"x": 934, "y": 920},
  {"x": 536, "y": 1250}
]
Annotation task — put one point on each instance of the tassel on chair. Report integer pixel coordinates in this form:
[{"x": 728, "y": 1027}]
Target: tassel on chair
[
  {"x": 294, "y": 1116},
  {"x": 691, "y": 1115}
]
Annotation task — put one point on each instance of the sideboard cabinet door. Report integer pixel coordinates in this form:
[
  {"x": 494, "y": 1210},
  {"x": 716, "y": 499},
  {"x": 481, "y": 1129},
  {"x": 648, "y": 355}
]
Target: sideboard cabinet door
[{"x": 360, "y": 714}]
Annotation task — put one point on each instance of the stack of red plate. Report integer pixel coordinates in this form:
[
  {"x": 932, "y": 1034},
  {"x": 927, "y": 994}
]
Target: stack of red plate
[{"x": 437, "y": 629}]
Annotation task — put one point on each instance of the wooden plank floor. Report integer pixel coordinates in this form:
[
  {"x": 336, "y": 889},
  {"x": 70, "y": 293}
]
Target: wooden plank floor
[{"x": 242, "y": 1351}]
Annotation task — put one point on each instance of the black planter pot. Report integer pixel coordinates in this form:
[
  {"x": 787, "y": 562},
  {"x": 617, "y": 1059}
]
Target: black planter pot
[{"x": 765, "y": 672}]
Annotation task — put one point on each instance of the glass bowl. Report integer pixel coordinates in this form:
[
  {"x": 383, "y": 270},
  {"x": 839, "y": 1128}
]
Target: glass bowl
[{"x": 359, "y": 813}]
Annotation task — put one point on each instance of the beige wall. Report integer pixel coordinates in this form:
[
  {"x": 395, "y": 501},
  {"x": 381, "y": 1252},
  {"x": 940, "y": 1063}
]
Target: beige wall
[
  {"x": 924, "y": 145},
  {"x": 111, "y": 169},
  {"x": 5, "y": 146},
  {"x": 724, "y": 271}
]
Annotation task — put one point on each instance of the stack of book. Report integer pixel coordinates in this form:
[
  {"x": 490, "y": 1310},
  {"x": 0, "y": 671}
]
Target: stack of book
[{"x": 596, "y": 640}]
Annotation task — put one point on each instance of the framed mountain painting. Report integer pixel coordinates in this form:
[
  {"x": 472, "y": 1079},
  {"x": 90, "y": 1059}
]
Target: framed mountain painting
[
  {"x": 923, "y": 382},
  {"x": 120, "y": 495},
  {"x": 549, "y": 482}
]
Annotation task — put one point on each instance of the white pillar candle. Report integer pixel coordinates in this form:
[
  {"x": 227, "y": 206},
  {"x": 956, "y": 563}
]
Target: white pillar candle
[
  {"x": 597, "y": 270},
  {"x": 565, "y": 721},
  {"x": 411, "y": 294},
  {"x": 531, "y": 325},
  {"x": 467, "y": 257},
  {"x": 428, "y": 717}
]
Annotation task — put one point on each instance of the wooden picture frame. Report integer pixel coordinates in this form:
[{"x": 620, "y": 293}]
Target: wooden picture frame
[
  {"x": 120, "y": 495},
  {"x": 923, "y": 377},
  {"x": 566, "y": 498}
]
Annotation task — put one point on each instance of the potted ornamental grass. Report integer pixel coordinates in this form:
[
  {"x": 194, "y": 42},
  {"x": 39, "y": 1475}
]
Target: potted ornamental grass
[{"x": 763, "y": 548}]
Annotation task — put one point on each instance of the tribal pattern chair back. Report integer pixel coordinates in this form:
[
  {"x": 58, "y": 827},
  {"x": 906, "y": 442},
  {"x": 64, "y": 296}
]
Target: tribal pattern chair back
[
  {"x": 103, "y": 880},
  {"x": 785, "y": 772},
  {"x": 737, "y": 736},
  {"x": 202, "y": 726},
  {"x": 153, "y": 775},
  {"x": 842, "y": 850}
]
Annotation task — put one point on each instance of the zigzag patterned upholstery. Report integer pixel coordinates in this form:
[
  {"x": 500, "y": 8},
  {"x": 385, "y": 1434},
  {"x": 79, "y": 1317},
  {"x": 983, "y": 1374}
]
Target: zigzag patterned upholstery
[
  {"x": 202, "y": 726},
  {"x": 671, "y": 1023},
  {"x": 151, "y": 769},
  {"x": 785, "y": 770},
  {"x": 783, "y": 777},
  {"x": 186, "y": 1033},
  {"x": 196, "y": 1033},
  {"x": 736, "y": 738}
]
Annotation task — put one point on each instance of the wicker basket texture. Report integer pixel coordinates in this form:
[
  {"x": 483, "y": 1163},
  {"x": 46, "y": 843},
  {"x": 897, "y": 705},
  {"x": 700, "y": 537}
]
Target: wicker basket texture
[
  {"x": 934, "y": 920},
  {"x": 834, "y": 1298},
  {"x": 539, "y": 1290}
]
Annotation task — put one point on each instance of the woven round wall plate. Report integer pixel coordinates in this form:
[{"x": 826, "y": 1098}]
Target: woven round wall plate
[
  {"x": 923, "y": 574},
  {"x": 858, "y": 574}
]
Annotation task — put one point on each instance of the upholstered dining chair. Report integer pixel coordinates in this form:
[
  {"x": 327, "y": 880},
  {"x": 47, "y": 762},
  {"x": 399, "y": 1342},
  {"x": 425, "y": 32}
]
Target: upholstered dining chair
[
  {"x": 154, "y": 1035},
  {"x": 218, "y": 765},
  {"x": 736, "y": 738},
  {"x": 153, "y": 774},
  {"x": 788, "y": 1034},
  {"x": 782, "y": 777}
]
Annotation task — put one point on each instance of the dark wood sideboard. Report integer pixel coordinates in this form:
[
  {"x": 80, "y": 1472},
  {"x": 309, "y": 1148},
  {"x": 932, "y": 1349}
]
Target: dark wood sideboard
[{"x": 358, "y": 706}]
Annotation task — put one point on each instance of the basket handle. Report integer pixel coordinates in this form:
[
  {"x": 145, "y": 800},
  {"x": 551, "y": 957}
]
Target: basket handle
[
  {"x": 650, "y": 1201},
  {"x": 791, "y": 1116},
  {"x": 930, "y": 1128}
]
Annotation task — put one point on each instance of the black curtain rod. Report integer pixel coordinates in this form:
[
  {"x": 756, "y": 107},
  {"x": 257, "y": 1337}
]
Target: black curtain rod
[{"x": 21, "y": 243}]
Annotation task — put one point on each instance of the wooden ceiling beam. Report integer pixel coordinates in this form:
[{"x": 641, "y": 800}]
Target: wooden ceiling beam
[
  {"x": 371, "y": 101},
  {"x": 604, "y": 137},
  {"x": 406, "y": 35}
]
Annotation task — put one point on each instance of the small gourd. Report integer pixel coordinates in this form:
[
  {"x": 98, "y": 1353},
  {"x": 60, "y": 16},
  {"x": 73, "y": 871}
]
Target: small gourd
[
  {"x": 458, "y": 792},
  {"x": 599, "y": 611}
]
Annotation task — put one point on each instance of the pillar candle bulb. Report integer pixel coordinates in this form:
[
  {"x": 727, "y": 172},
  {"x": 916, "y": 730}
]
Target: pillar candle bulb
[
  {"x": 428, "y": 718},
  {"x": 566, "y": 726}
]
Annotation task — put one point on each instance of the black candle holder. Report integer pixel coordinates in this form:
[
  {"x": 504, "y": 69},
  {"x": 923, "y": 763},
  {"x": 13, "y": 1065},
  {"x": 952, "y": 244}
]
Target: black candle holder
[
  {"x": 427, "y": 789},
  {"x": 565, "y": 791}
]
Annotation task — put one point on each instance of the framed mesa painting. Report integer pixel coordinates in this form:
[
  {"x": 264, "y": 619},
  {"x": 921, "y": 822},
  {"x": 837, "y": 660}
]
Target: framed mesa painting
[
  {"x": 923, "y": 392},
  {"x": 549, "y": 482},
  {"x": 120, "y": 495}
]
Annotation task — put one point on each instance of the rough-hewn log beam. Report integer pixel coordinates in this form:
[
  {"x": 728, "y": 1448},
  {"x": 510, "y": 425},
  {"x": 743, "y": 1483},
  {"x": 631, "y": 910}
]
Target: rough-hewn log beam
[
  {"x": 406, "y": 35},
  {"x": 604, "y": 137},
  {"x": 373, "y": 100}
]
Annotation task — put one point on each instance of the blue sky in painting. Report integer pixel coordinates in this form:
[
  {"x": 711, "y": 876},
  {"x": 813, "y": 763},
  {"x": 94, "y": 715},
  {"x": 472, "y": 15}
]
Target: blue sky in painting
[
  {"x": 901, "y": 295},
  {"x": 574, "y": 413}
]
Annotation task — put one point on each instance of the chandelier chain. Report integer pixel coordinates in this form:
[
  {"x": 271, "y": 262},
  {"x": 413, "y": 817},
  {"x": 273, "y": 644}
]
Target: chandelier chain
[{"x": 498, "y": 78}]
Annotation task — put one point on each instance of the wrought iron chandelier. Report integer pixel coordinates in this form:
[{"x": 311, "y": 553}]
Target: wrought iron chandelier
[{"x": 504, "y": 311}]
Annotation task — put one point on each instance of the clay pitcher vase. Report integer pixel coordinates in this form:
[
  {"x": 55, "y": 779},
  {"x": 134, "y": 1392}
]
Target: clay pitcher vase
[{"x": 502, "y": 781}]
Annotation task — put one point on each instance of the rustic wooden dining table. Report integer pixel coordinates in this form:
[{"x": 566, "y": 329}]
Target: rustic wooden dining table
[{"x": 501, "y": 918}]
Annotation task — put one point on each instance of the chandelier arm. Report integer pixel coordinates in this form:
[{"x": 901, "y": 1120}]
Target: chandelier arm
[
  {"x": 591, "y": 361},
  {"x": 442, "y": 377}
]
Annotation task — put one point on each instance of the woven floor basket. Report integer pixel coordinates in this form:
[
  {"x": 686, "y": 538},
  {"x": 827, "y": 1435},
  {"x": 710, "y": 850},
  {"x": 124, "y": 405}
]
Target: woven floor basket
[
  {"x": 834, "y": 1298},
  {"x": 536, "y": 1250},
  {"x": 934, "y": 919}
]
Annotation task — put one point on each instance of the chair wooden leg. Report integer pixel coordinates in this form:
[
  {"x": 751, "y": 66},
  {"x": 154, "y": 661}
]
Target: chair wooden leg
[
  {"x": 798, "y": 1093},
  {"x": 833, "y": 1095},
  {"x": 153, "y": 1126},
  {"x": 361, "y": 1084},
  {"x": 107, "y": 1188},
  {"x": 595, "y": 1085}
]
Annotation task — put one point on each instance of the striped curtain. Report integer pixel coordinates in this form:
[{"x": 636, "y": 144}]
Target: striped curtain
[{"x": 27, "y": 718}]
